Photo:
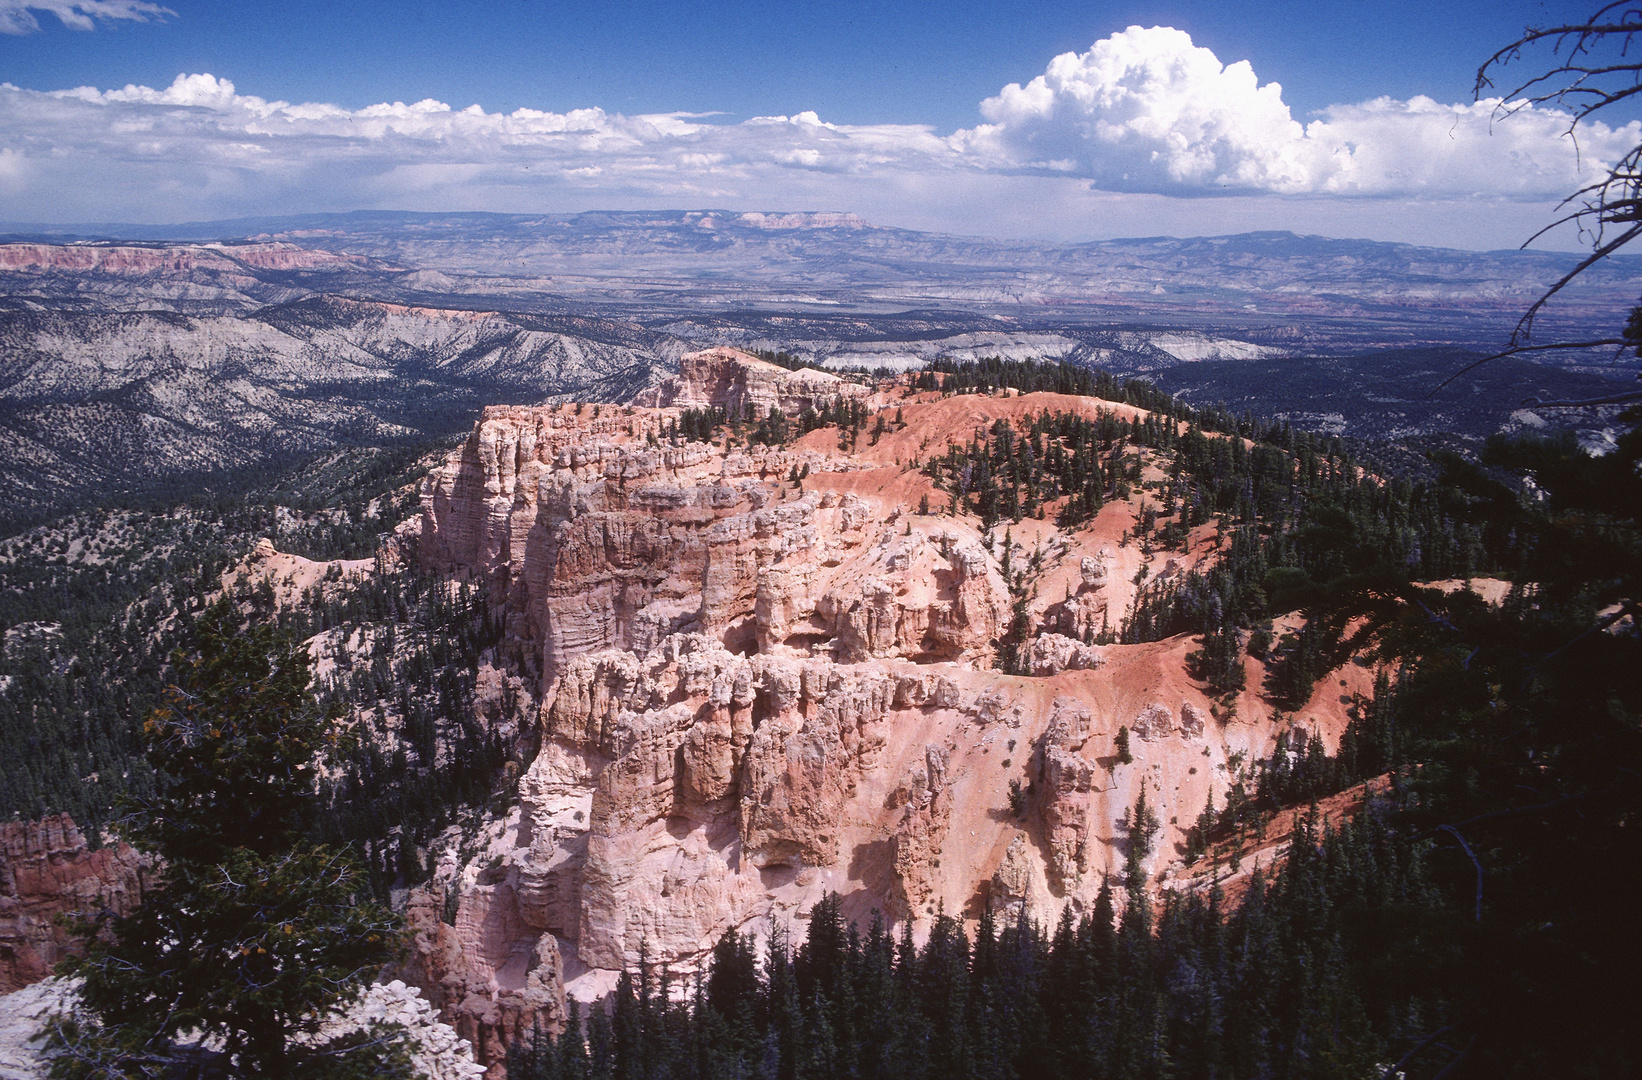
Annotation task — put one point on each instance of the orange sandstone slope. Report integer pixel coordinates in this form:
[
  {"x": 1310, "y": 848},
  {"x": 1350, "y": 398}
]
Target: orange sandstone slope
[{"x": 754, "y": 692}]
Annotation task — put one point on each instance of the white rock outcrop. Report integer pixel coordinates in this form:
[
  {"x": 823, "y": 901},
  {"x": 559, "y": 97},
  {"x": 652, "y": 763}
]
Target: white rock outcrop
[{"x": 437, "y": 1052}]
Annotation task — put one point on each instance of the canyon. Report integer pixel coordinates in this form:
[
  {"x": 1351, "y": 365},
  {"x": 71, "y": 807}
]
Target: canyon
[
  {"x": 759, "y": 675},
  {"x": 731, "y": 675}
]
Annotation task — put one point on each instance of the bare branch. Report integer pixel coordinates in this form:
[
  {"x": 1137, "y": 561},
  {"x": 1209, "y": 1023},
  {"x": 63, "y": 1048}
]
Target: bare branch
[
  {"x": 1455, "y": 833},
  {"x": 1398, "y": 1065},
  {"x": 1452, "y": 1065},
  {"x": 1592, "y": 66},
  {"x": 1525, "y": 325},
  {"x": 1581, "y": 78},
  {"x": 1613, "y": 399},
  {"x": 1515, "y": 349}
]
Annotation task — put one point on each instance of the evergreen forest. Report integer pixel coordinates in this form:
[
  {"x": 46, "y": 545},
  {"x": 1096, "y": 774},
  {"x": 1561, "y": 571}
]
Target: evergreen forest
[{"x": 124, "y": 590}]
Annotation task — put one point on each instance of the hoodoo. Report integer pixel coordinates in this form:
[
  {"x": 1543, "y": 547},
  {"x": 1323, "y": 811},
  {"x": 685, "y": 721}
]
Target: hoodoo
[{"x": 763, "y": 677}]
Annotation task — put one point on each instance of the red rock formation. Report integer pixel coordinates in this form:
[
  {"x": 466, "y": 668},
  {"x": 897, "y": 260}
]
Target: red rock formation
[
  {"x": 46, "y": 869},
  {"x": 755, "y": 692},
  {"x": 488, "y": 973}
]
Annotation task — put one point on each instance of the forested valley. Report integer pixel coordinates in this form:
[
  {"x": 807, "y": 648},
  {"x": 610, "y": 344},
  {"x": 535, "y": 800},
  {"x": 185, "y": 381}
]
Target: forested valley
[{"x": 103, "y": 602}]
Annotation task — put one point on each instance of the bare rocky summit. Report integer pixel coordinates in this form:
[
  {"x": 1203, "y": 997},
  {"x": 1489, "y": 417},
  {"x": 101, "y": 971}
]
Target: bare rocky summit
[{"x": 744, "y": 385}]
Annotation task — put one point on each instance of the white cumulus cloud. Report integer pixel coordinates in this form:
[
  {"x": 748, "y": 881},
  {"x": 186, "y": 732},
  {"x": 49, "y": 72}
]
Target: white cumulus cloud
[
  {"x": 239, "y": 151},
  {"x": 17, "y": 16},
  {"x": 1147, "y": 110}
]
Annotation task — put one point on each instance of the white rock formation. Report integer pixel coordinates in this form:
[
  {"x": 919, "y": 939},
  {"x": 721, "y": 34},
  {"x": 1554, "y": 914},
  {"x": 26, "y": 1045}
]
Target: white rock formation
[{"x": 437, "y": 1052}]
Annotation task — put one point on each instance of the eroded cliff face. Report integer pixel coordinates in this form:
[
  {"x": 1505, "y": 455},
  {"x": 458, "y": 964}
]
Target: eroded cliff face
[
  {"x": 756, "y": 691},
  {"x": 47, "y": 869},
  {"x": 744, "y": 385}
]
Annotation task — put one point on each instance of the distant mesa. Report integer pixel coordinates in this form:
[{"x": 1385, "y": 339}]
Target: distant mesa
[
  {"x": 809, "y": 219},
  {"x": 742, "y": 384},
  {"x": 123, "y": 259},
  {"x": 824, "y": 219}
]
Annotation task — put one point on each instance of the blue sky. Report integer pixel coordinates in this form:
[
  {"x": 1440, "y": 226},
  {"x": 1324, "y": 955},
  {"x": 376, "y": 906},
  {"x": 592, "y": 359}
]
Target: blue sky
[
  {"x": 855, "y": 63},
  {"x": 920, "y": 115}
]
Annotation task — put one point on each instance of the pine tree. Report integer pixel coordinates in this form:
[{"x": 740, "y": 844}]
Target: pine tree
[
  {"x": 255, "y": 937},
  {"x": 1144, "y": 825},
  {"x": 1197, "y": 840},
  {"x": 571, "y": 1047}
]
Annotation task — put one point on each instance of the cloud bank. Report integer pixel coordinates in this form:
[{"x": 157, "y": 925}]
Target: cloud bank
[
  {"x": 1143, "y": 113},
  {"x": 17, "y": 16},
  {"x": 1146, "y": 110}
]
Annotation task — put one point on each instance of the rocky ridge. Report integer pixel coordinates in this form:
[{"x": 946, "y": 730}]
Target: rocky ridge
[
  {"x": 763, "y": 678},
  {"x": 202, "y": 279},
  {"x": 116, "y": 259},
  {"x": 94, "y": 404}
]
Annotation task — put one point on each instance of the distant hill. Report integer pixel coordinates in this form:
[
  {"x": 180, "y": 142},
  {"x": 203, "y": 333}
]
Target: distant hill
[
  {"x": 107, "y": 405},
  {"x": 1367, "y": 292}
]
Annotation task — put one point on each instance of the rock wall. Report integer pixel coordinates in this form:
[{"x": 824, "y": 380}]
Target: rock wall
[
  {"x": 743, "y": 385},
  {"x": 46, "y": 869},
  {"x": 756, "y": 692}
]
